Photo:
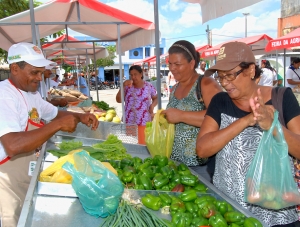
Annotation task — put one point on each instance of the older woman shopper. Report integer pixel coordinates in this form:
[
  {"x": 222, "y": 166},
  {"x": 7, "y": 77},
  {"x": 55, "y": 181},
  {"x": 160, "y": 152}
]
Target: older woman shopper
[
  {"x": 234, "y": 123},
  {"x": 188, "y": 100},
  {"x": 140, "y": 98}
]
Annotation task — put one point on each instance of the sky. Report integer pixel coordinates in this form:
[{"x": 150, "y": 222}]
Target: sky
[{"x": 179, "y": 20}]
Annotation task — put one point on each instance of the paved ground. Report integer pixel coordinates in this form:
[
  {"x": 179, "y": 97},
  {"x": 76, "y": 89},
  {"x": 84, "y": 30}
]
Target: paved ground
[{"x": 109, "y": 96}]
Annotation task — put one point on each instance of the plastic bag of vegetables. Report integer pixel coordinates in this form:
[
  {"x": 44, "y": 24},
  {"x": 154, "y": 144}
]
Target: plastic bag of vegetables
[
  {"x": 159, "y": 135},
  {"x": 99, "y": 190},
  {"x": 269, "y": 180}
]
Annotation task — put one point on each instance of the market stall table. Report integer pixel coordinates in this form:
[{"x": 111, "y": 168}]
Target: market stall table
[{"x": 41, "y": 209}]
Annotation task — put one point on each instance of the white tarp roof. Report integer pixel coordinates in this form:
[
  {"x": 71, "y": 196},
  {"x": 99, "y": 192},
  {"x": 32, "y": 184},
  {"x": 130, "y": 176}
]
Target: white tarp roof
[{"x": 54, "y": 16}]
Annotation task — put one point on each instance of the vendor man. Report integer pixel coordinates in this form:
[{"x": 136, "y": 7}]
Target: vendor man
[{"x": 21, "y": 129}]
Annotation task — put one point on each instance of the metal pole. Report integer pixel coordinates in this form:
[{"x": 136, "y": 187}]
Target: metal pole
[
  {"x": 246, "y": 14},
  {"x": 284, "y": 64},
  {"x": 32, "y": 19},
  {"x": 121, "y": 74},
  {"x": 157, "y": 53},
  {"x": 96, "y": 77},
  {"x": 87, "y": 72}
]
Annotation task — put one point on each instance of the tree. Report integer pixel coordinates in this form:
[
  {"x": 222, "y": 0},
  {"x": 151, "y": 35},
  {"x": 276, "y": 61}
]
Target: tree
[
  {"x": 11, "y": 7},
  {"x": 103, "y": 62}
]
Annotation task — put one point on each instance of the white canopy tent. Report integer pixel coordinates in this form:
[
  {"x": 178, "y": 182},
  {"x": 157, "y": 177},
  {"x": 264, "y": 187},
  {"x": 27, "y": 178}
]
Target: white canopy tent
[{"x": 212, "y": 9}]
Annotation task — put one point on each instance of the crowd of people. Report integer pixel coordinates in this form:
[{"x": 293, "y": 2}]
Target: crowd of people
[{"x": 219, "y": 113}]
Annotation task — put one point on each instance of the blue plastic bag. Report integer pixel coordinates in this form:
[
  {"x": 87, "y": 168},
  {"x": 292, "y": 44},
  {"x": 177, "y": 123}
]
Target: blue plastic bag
[
  {"x": 270, "y": 181},
  {"x": 98, "y": 189}
]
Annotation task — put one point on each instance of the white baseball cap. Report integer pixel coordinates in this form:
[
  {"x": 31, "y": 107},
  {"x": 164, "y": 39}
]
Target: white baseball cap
[{"x": 29, "y": 53}]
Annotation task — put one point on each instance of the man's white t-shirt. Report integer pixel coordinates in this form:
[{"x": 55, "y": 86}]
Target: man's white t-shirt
[
  {"x": 15, "y": 110},
  {"x": 266, "y": 78},
  {"x": 290, "y": 74}
]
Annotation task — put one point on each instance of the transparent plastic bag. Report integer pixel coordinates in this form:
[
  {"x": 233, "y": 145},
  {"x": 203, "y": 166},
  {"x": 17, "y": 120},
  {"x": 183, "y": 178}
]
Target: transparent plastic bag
[
  {"x": 269, "y": 181},
  {"x": 159, "y": 136},
  {"x": 99, "y": 190}
]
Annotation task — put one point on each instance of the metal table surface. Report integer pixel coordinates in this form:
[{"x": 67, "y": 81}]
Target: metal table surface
[{"x": 59, "y": 211}]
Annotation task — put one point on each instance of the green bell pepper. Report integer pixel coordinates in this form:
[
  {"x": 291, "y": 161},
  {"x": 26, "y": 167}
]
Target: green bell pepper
[
  {"x": 183, "y": 169},
  {"x": 188, "y": 196},
  {"x": 199, "y": 221},
  {"x": 177, "y": 207},
  {"x": 160, "y": 160},
  {"x": 200, "y": 187},
  {"x": 167, "y": 172},
  {"x": 204, "y": 198},
  {"x": 172, "y": 185},
  {"x": 138, "y": 187},
  {"x": 145, "y": 165},
  {"x": 151, "y": 202},
  {"x": 137, "y": 161},
  {"x": 146, "y": 182},
  {"x": 207, "y": 210},
  {"x": 165, "y": 188},
  {"x": 217, "y": 220},
  {"x": 150, "y": 160},
  {"x": 222, "y": 206},
  {"x": 115, "y": 164},
  {"x": 159, "y": 181},
  {"x": 191, "y": 207},
  {"x": 126, "y": 162},
  {"x": 156, "y": 169},
  {"x": 234, "y": 217},
  {"x": 127, "y": 177},
  {"x": 189, "y": 180},
  {"x": 234, "y": 225},
  {"x": 176, "y": 178},
  {"x": 188, "y": 218},
  {"x": 129, "y": 169},
  {"x": 252, "y": 222},
  {"x": 182, "y": 219},
  {"x": 148, "y": 172},
  {"x": 165, "y": 199}
]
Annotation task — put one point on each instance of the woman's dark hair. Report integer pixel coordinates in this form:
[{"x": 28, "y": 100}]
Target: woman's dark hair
[
  {"x": 187, "y": 49},
  {"x": 137, "y": 68},
  {"x": 258, "y": 70},
  {"x": 296, "y": 60},
  {"x": 268, "y": 65}
]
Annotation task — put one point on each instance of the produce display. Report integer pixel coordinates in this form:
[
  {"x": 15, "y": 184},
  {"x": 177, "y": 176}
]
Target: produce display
[
  {"x": 69, "y": 94},
  {"x": 189, "y": 209},
  {"x": 111, "y": 149},
  {"x": 157, "y": 173}
]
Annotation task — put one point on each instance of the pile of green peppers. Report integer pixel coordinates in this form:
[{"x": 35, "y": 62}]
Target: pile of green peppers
[
  {"x": 189, "y": 210},
  {"x": 157, "y": 173}
]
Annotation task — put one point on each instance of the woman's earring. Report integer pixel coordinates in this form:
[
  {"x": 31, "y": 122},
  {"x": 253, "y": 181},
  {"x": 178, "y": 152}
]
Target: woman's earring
[{"x": 252, "y": 78}]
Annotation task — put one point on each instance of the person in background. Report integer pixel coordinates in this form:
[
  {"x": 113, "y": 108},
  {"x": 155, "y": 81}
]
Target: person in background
[
  {"x": 293, "y": 74},
  {"x": 234, "y": 123},
  {"x": 201, "y": 70},
  {"x": 171, "y": 81},
  {"x": 55, "y": 102},
  {"x": 146, "y": 75},
  {"x": 117, "y": 80},
  {"x": 267, "y": 77},
  {"x": 82, "y": 84},
  {"x": 140, "y": 98},
  {"x": 22, "y": 133},
  {"x": 188, "y": 100}
]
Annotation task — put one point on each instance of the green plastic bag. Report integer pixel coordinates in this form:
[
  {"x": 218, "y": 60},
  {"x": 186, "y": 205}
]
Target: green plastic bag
[
  {"x": 98, "y": 189},
  {"x": 269, "y": 181},
  {"x": 159, "y": 136}
]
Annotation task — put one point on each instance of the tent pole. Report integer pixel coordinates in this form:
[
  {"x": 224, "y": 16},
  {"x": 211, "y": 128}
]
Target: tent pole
[
  {"x": 32, "y": 19},
  {"x": 121, "y": 74},
  {"x": 284, "y": 64},
  {"x": 78, "y": 80},
  {"x": 87, "y": 72},
  {"x": 157, "y": 53},
  {"x": 96, "y": 76}
]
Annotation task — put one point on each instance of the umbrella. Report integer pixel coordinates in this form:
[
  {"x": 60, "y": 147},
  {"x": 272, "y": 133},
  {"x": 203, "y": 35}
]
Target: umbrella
[
  {"x": 257, "y": 43},
  {"x": 290, "y": 40},
  {"x": 212, "y": 9},
  {"x": 89, "y": 17},
  {"x": 69, "y": 46}
]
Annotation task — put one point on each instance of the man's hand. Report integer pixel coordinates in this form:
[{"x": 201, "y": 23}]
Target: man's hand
[{"x": 89, "y": 120}]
